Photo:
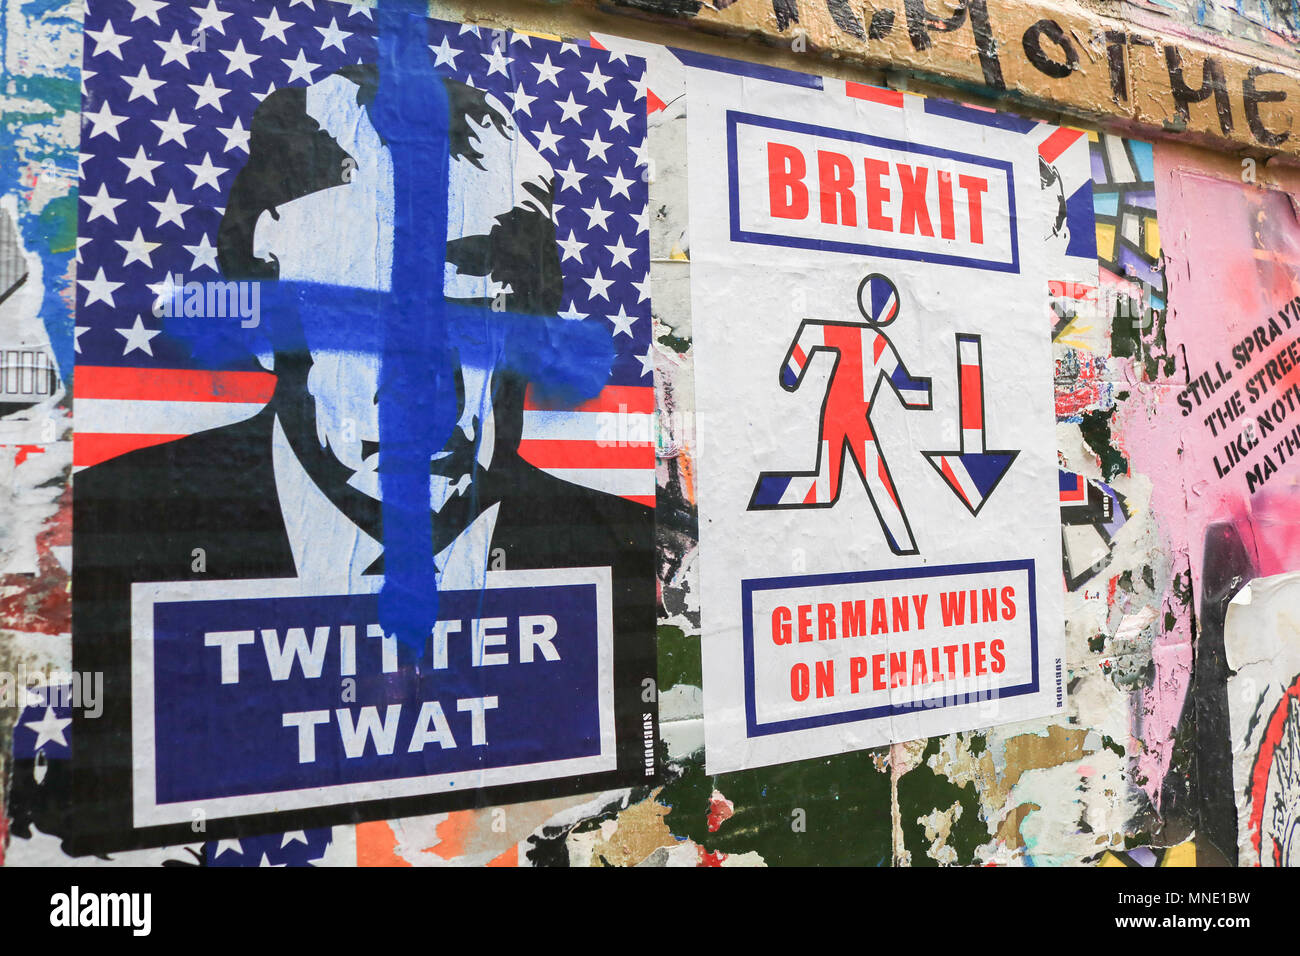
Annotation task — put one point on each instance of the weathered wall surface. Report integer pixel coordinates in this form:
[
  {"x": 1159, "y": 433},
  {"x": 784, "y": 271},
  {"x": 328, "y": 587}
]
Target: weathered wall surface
[{"x": 1176, "y": 410}]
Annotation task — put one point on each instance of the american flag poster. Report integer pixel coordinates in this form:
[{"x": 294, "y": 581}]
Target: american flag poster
[
  {"x": 363, "y": 393},
  {"x": 887, "y": 454}
]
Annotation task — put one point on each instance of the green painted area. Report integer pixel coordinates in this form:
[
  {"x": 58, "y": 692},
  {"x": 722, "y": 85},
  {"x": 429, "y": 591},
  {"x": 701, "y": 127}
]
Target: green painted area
[
  {"x": 1097, "y": 644},
  {"x": 58, "y": 223},
  {"x": 922, "y": 791},
  {"x": 1109, "y": 744},
  {"x": 976, "y": 743},
  {"x": 676, "y": 343},
  {"x": 679, "y": 657},
  {"x": 1096, "y": 432},
  {"x": 59, "y": 94},
  {"x": 832, "y": 811},
  {"x": 1141, "y": 838}
]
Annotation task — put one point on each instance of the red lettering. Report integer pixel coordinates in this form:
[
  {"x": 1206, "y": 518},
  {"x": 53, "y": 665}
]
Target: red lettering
[
  {"x": 799, "y": 682},
  {"x": 825, "y": 622},
  {"x": 980, "y": 667},
  {"x": 913, "y": 211},
  {"x": 919, "y": 601},
  {"x": 999, "y": 662},
  {"x": 853, "y": 616},
  {"x": 805, "y": 623},
  {"x": 951, "y": 652},
  {"x": 780, "y": 625},
  {"x": 965, "y": 660},
  {"x": 879, "y": 624},
  {"x": 975, "y": 187},
  {"x": 946, "y": 227},
  {"x": 954, "y": 607},
  {"x": 1008, "y": 603},
  {"x": 785, "y": 172},
  {"x": 857, "y": 671},
  {"x": 898, "y": 669},
  {"x": 989, "y": 603},
  {"x": 825, "y": 678},
  {"x": 835, "y": 182},
  {"x": 877, "y": 195},
  {"x": 900, "y": 614},
  {"x": 878, "y": 671},
  {"x": 918, "y": 667}
]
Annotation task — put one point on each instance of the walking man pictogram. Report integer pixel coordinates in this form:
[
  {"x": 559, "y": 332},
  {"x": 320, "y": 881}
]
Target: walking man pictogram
[{"x": 864, "y": 358}]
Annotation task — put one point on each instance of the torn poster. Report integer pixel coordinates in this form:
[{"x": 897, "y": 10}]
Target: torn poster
[
  {"x": 352, "y": 536},
  {"x": 1224, "y": 442},
  {"x": 879, "y": 515},
  {"x": 1261, "y": 643}
]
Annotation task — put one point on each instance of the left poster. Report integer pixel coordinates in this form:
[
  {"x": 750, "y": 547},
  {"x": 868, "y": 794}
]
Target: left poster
[{"x": 349, "y": 539}]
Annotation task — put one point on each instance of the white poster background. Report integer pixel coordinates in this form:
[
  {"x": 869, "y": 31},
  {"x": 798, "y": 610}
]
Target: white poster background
[{"x": 748, "y": 299}]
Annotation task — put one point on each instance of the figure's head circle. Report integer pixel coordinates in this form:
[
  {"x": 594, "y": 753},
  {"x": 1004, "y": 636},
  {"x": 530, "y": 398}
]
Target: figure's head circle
[{"x": 878, "y": 299}]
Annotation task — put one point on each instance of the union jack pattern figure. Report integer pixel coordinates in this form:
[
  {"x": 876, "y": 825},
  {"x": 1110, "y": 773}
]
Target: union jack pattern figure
[{"x": 864, "y": 358}]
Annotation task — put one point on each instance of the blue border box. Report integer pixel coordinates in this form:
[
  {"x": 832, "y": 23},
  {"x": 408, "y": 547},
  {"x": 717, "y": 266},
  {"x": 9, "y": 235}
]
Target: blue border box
[
  {"x": 735, "y": 118},
  {"x": 749, "y": 586}
]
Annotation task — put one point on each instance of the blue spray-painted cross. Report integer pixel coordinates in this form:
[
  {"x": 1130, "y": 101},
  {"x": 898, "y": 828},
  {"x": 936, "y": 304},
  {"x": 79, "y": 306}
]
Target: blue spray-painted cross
[
  {"x": 418, "y": 335},
  {"x": 422, "y": 331}
]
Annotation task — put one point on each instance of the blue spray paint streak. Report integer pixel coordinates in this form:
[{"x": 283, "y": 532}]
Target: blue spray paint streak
[
  {"x": 566, "y": 361},
  {"x": 420, "y": 338},
  {"x": 425, "y": 336},
  {"x": 417, "y": 387}
]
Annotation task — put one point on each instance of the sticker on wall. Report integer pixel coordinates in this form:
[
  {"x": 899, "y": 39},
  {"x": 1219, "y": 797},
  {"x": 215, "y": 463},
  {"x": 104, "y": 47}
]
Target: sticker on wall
[
  {"x": 879, "y": 502},
  {"x": 351, "y": 536}
]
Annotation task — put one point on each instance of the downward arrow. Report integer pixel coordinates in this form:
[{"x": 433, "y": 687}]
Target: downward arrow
[{"x": 971, "y": 471}]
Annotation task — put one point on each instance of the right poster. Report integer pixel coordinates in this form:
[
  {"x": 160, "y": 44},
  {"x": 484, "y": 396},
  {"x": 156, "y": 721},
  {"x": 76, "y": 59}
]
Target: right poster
[
  {"x": 1219, "y": 432},
  {"x": 879, "y": 496}
]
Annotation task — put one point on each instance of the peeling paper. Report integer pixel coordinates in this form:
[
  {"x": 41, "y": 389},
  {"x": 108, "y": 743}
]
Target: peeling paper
[{"x": 1262, "y": 644}]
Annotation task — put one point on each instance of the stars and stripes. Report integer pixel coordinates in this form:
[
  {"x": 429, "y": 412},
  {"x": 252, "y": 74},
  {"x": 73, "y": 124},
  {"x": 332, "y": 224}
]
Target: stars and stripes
[
  {"x": 295, "y": 848},
  {"x": 44, "y": 723},
  {"x": 169, "y": 95}
]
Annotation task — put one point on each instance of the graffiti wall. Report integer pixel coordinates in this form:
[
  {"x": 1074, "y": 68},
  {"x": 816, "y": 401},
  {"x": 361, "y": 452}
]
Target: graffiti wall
[{"x": 536, "y": 437}]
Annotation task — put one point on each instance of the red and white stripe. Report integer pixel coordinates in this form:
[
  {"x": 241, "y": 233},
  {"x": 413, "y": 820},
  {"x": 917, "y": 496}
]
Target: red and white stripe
[
  {"x": 970, "y": 379},
  {"x": 606, "y": 444},
  {"x": 117, "y": 410},
  {"x": 1057, "y": 141}
]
